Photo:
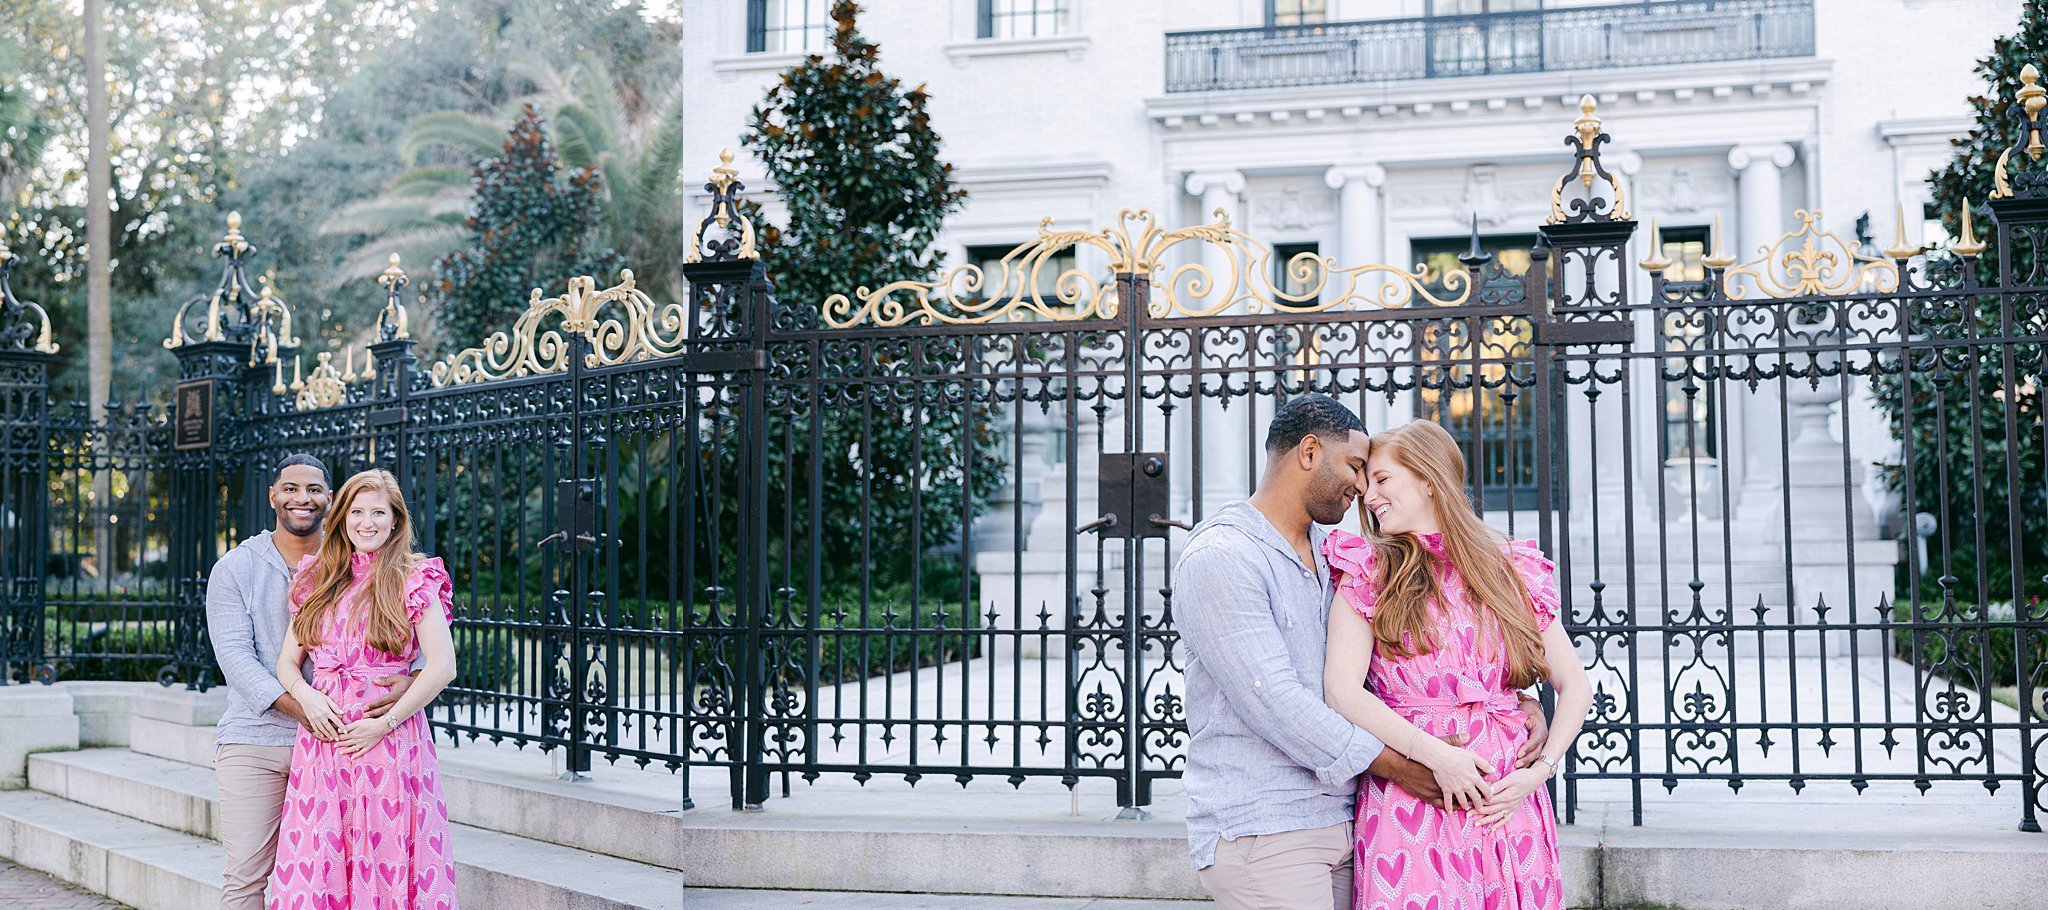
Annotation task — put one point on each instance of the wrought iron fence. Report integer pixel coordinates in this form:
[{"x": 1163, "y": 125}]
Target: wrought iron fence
[
  {"x": 928, "y": 530},
  {"x": 1538, "y": 40}
]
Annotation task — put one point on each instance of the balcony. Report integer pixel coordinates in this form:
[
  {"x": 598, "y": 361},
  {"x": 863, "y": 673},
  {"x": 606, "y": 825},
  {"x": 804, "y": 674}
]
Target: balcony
[{"x": 1651, "y": 33}]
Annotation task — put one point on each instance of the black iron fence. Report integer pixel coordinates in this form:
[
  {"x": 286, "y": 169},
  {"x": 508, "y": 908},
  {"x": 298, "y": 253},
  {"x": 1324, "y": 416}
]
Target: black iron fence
[
  {"x": 928, "y": 530},
  {"x": 1657, "y": 33}
]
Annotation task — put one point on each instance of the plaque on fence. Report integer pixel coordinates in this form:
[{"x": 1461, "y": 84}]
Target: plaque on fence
[{"x": 194, "y": 426}]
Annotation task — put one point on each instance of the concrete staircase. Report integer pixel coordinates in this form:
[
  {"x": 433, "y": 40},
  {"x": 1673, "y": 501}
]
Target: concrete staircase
[{"x": 137, "y": 824}]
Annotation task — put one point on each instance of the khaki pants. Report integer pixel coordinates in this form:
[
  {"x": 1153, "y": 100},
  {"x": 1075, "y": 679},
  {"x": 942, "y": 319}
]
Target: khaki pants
[
  {"x": 1294, "y": 870},
  {"x": 252, "y": 784}
]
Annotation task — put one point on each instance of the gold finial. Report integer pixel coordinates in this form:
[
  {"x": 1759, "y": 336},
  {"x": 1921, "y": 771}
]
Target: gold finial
[
  {"x": 234, "y": 237},
  {"x": 369, "y": 366},
  {"x": 393, "y": 275},
  {"x": 724, "y": 174},
  {"x": 2033, "y": 97},
  {"x": 1720, "y": 258},
  {"x": 1901, "y": 248},
  {"x": 1588, "y": 128},
  {"x": 1656, "y": 261},
  {"x": 298, "y": 371},
  {"x": 1967, "y": 244},
  {"x": 277, "y": 370}
]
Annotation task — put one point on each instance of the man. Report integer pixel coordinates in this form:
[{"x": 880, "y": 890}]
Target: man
[
  {"x": 1272, "y": 773},
  {"x": 247, "y": 618}
]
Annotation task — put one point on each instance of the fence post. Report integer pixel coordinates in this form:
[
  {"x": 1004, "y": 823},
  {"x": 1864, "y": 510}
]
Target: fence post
[
  {"x": 25, "y": 353},
  {"x": 222, "y": 385},
  {"x": 1579, "y": 298}
]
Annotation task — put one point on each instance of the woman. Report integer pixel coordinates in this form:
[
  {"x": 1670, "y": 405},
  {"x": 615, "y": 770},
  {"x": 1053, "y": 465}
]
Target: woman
[
  {"x": 364, "y": 819},
  {"x": 1438, "y": 622}
]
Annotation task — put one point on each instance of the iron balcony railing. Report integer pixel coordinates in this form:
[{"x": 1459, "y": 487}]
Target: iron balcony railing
[{"x": 1595, "y": 37}]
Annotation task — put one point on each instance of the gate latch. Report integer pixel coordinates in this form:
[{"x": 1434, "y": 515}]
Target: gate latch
[{"x": 1133, "y": 484}]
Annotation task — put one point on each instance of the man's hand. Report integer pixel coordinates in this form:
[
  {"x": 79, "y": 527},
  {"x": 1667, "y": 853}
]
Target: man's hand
[
  {"x": 1539, "y": 733},
  {"x": 381, "y": 705},
  {"x": 290, "y": 707},
  {"x": 1413, "y": 776}
]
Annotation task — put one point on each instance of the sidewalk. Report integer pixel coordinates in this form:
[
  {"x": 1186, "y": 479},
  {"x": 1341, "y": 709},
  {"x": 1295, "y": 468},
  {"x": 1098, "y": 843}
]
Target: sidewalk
[{"x": 27, "y": 889}]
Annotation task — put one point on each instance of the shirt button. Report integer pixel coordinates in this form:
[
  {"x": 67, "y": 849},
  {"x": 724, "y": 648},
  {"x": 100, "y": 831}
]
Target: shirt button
[{"x": 1255, "y": 683}]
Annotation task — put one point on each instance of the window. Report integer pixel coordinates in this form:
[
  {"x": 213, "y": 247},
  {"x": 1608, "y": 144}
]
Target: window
[
  {"x": 1496, "y": 426},
  {"x": 1022, "y": 18},
  {"x": 1477, "y": 37},
  {"x": 787, "y": 26},
  {"x": 1292, "y": 284},
  {"x": 1297, "y": 12},
  {"x": 1002, "y": 279},
  {"x": 1691, "y": 403}
]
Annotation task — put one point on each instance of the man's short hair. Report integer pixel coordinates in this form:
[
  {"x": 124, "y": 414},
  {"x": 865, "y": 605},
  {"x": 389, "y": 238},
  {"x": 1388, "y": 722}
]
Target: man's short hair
[
  {"x": 1315, "y": 415},
  {"x": 299, "y": 458}
]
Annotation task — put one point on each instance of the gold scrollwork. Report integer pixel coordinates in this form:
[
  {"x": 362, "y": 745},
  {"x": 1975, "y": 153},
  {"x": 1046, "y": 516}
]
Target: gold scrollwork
[
  {"x": 1242, "y": 279},
  {"x": 8, "y": 302},
  {"x": 535, "y": 346},
  {"x": 327, "y": 388},
  {"x": 1810, "y": 262},
  {"x": 1587, "y": 136}
]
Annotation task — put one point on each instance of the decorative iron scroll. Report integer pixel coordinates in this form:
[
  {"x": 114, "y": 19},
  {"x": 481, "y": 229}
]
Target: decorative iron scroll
[
  {"x": 1137, "y": 245},
  {"x": 1591, "y": 206},
  {"x": 538, "y": 345},
  {"x": 725, "y": 187},
  {"x": 234, "y": 291},
  {"x": 1808, "y": 262},
  {"x": 267, "y": 336},
  {"x": 15, "y": 325}
]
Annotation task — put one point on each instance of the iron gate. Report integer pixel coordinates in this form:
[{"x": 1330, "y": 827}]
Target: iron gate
[{"x": 927, "y": 528}]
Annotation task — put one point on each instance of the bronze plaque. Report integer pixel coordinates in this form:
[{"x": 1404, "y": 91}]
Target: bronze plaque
[{"x": 193, "y": 428}]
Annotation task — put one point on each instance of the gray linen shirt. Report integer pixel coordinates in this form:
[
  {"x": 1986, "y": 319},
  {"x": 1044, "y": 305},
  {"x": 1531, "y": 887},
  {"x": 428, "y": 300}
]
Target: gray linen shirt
[
  {"x": 1267, "y": 755},
  {"x": 246, "y": 618}
]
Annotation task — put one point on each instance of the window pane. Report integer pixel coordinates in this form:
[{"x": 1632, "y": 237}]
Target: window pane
[
  {"x": 1300, "y": 12},
  {"x": 1691, "y": 403},
  {"x": 792, "y": 25},
  {"x": 1023, "y": 18},
  {"x": 1496, "y": 427}
]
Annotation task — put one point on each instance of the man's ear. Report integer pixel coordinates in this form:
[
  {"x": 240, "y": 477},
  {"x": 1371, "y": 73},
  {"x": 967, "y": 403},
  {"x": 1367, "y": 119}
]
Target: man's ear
[{"x": 1308, "y": 451}]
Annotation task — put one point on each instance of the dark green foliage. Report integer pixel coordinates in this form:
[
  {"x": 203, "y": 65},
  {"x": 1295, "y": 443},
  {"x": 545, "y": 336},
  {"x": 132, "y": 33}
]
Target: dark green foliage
[
  {"x": 856, "y": 160},
  {"x": 531, "y": 227},
  {"x": 1951, "y": 410}
]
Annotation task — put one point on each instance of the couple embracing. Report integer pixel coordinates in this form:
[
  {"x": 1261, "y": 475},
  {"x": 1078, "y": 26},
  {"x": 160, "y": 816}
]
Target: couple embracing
[
  {"x": 1359, "y": 736},
  {"x": 333, "y": 637}
]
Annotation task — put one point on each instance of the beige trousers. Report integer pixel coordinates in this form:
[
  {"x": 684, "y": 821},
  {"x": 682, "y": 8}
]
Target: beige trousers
[
  {"x": 252, "y": 783},
  {"x": 1294, "y": 870}
]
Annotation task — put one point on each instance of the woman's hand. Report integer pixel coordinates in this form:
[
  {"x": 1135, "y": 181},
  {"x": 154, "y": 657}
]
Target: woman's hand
[
  {"x": 1510, "y": 793},
  {"x": 1539, "y": 732},
  {"x": 323, "y": 716},
  {"x": 358, "y": 738},
  {"x": 1461, "y": 774}
]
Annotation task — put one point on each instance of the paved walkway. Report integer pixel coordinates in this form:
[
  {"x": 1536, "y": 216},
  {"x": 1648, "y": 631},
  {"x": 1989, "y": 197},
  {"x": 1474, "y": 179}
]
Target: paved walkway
[{"x": 27, "y": 889}]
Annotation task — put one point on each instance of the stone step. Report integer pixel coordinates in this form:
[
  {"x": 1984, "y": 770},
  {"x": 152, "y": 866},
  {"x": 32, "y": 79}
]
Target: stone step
[{"x": 107, "y": 799}]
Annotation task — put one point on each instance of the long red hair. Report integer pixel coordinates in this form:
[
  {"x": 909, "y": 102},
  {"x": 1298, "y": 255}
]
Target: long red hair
[
  {"x": 1408, "y": 582},
  {"x": 381, "y": 606}
]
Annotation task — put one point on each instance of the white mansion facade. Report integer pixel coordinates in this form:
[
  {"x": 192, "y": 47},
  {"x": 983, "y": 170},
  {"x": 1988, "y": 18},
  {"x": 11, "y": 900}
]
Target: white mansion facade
[{"x": 1380, "y": 131}]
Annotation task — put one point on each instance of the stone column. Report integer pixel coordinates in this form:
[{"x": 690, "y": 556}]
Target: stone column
[
  {"x": 1760, "y": 219},
  {"x": 1361, "y": 240},
  {"x": 1226, "y": 454}
]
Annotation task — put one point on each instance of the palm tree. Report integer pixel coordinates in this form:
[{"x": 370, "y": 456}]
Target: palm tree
[{"x": 635, "y": 142}]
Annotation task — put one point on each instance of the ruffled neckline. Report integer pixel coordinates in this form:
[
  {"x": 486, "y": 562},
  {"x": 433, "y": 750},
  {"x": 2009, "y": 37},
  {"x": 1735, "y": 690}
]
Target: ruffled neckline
[
  {"x": 360, "y": 563},
  {"x": 1433, "y": 542}
]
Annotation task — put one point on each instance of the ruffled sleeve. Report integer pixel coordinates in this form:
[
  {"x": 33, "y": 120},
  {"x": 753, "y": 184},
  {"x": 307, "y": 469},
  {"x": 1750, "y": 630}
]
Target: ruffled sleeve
[
  {"x": 1539, "y": 575},
  {"x": 428, "y": 586},
  {"x": 1352, "y": 557},
  {"x": 302, "y": 582}
]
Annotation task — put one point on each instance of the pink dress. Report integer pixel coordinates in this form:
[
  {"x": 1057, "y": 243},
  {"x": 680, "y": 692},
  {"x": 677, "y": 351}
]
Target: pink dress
[
  {"x": 368, "y": 833},
  {"x": 1410, "y": 854}
]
